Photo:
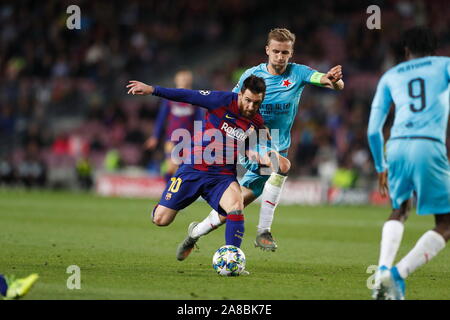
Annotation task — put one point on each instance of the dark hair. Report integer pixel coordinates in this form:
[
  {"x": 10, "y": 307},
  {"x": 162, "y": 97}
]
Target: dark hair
[
  {"x": 420, "y": 41},
  {"x": 254, "y": 84}
]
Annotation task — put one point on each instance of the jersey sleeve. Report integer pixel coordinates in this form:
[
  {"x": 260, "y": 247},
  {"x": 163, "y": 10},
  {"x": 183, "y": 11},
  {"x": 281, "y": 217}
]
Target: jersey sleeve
[
  {"x": 378, "y": 114},
  {"x": 245, "y": 75},
  {"x": 161, "y": 118},
  {"x": 307, "y": 74},
  {"x": 199, "y": 114},
  {"x": 203, "y": 98}
]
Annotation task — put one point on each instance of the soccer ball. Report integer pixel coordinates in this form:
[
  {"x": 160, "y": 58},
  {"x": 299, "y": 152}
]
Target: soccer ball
[{"x": 229, "y": 261}]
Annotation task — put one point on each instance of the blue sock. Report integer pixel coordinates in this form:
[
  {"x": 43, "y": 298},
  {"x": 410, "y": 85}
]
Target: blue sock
[
  {"x": 3, "y": 285},
  {"x": 234, "y": 230}
]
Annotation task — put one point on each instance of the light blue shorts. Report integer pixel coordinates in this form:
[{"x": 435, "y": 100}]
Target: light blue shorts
[
  {"x": 422, "y": 166},
  {"x": 252, "y": 178}
]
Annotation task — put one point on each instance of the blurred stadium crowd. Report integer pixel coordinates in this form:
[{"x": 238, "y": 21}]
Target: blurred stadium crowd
[{"x": 64, "y": 111}]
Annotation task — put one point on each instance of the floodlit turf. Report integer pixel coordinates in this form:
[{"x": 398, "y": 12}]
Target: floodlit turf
[{"x": 323, "y": 253}]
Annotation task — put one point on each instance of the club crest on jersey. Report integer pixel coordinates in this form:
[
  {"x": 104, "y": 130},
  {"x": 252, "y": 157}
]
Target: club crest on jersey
[
  {"x": 168, "y": 196},
  {"x": 286, "y": 83},
  {"x": 204, "y": 92}
]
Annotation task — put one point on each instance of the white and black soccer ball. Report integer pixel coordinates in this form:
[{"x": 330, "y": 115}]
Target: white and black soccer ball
[{"x": 229, "y": 261}]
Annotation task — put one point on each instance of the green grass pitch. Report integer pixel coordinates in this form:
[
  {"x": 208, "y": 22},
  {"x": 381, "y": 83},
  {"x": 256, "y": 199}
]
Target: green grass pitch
[{"x": 323, "y": 253}]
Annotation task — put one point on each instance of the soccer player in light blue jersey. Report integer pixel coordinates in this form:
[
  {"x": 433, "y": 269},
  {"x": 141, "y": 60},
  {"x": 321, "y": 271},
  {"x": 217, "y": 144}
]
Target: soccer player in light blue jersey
[
  {"x": 285, "y": 82},
  {"x": 416, "y": 156}
]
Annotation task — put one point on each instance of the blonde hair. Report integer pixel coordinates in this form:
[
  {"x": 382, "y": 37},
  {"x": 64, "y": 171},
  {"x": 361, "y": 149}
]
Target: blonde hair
[{"x": 280, "y": 34}]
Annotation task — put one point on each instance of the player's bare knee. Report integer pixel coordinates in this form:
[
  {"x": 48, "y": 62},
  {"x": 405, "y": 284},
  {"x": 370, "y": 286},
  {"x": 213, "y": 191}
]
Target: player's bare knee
[
  {"x": 161, "y": 221},
  {"x": 159, "y": 218}
]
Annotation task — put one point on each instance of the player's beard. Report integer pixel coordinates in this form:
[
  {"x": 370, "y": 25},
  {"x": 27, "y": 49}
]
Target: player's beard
[
  {"x": 279, "y": 68},
  {"x": 248, "y": 114}
]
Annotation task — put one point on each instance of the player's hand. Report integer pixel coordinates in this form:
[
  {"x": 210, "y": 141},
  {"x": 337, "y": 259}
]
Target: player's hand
[
  {"x": 151, "y": 143},
  {"x": 140, "y": 88},
  {"x": 382, "y": 184},
  {"x": 334, "y": 74}
]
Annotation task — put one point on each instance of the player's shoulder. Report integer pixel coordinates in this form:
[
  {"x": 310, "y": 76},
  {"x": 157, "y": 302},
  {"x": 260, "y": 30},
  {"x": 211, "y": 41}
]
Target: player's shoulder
[
  {"x": 219, "y": 98},
  {"x": 414, "y": 63},
  {"x": 392, "y": 72},
  {"x": 440, "y": 58},
  {"x": 256, "y": 70},
  {"x": 299, "y": 70},
  {"x": 299, "y": 67},
  {"x": 228, "y": 96}
]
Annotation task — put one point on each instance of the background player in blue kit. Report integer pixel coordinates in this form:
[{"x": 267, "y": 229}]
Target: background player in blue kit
[
  {"x": 173, "y": 115},
  {"x": 416, "y": 156},
  {"x": 285, "y": 83},
  {"x": 230, "y": 119}
]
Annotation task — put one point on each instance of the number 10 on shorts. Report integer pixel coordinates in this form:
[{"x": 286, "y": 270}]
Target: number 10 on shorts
[{"x": 175, "y": 184}]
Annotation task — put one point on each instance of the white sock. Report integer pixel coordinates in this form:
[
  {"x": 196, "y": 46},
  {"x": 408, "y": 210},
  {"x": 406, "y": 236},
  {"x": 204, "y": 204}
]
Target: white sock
[
  {"x": 211, "y": 222},
  {"x": 391, "y": 236},
  {"x": 426, "y": 248},
  {"x": 269, "y": 200}
]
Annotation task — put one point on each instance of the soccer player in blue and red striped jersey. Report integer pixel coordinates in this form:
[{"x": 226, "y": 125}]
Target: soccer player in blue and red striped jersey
[
  {"x": 209, "y": 170},
  {"x": 173, "y": 115}
]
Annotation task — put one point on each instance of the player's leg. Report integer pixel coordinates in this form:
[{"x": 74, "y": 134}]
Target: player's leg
[
  {"x": 163, "y": 216},
  {"x": 250, "y": 183},
  {"x": 431, "y": 172},
  {"x": 181, "y": 190},
  {"x": 270, "y": 198},
  {"x": 400, "y": 191},
  {"x": 427, "y": 247},
  {"x": 217, "y": 193},
  {"x": 232, "y": 203},
  {"x": 215, "y": 220},
  {"x": 391, "y": 237},
  {"x": 392, "y": 233},
  {"x": 12, "y": 288}
]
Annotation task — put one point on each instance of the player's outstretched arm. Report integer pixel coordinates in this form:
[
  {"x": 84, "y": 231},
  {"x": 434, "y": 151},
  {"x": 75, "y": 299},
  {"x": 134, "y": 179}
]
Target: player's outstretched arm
[{"x": 333, "y": 78}]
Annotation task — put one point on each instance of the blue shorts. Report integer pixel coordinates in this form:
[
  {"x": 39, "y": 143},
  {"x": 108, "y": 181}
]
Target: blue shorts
[
  {"x": 422, "y": 166},
  {"x": 188, "y": 184},
  {"x": 253, "y": 179}
]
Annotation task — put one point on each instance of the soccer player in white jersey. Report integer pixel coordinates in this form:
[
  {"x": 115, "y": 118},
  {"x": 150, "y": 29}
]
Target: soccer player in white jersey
[
  {"x": 285, "y": 82},
  {"x": 416, "y": 156}
]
